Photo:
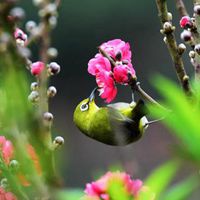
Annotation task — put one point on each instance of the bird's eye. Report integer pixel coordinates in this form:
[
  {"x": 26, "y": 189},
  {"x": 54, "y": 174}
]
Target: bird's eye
[{"x": 84, "y": 107}]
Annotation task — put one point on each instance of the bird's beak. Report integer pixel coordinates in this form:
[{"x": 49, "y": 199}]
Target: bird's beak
[{"x": 92, "y": 95}]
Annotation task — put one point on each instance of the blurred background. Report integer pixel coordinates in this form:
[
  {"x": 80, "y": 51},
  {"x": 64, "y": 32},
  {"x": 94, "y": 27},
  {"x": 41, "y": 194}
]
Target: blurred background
[{"x": 83, "y": 25}]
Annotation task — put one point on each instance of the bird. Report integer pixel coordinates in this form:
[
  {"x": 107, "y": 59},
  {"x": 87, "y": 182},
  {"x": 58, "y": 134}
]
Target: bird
[{"x": 116, "y": 124}]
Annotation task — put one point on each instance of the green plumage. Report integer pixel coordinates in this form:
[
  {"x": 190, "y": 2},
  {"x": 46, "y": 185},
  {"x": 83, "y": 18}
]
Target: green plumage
[{"x": 115, "y": 124}]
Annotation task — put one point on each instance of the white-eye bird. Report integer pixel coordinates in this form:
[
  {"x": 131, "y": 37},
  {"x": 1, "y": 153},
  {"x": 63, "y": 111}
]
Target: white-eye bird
[{"x": 115, "y": 124}]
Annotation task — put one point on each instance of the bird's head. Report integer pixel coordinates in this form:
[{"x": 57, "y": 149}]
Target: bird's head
[{"x": 84, "y": 112}]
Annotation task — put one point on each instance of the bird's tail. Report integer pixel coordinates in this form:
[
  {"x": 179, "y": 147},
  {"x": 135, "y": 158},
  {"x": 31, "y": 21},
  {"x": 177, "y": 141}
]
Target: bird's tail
[{"x": 139, "y": 111}]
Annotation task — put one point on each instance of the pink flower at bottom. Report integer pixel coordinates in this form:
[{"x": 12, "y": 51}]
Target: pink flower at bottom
[
  {"x": 108, "y": 91},
  {"x": 6, "y": 195},
  {"x": 100, "y": 189},
  {"x": 6, "y": 149},
  {"x": 37, "y": 68}
]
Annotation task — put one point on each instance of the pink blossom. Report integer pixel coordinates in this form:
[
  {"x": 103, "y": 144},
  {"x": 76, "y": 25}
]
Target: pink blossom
[
  {"x": 7, "y": 149},
  {"x": 37, "y": 68},
  {"x": 20, "y": 36},
  {"x": 100, "y": 188},
  {"x": 106, "y": 84},
  {"x": 116, "y": 47},
  {"x": 97, "y": 64},
  {"x": 185, "y": 22},
  {"x": 6, "y": 195},
  {"x": 108, "y": 74},
  {"x": 121, "y": 73}
]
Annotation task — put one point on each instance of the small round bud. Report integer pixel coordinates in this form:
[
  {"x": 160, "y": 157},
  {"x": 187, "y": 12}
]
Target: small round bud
[
  {"x": 167, "y": 27},
  {"x": 192, "y": 54},
  {"x": 58, "y": 141},
  {"x": 51, "y": 92},
  {"x": 53, "y": 21},
  {"x": 33, "y": 97},
  {"x": 53, "y": 68},
  {"x": 52, "y": 52},
  {"x": 197, "y": 48},
  {"x": 48, "y": 117},
  {"x": 169, "y": 16},
  {"x": 197, "y": 9},
  {"x": 30, "y": 25},
  {"x": 34, "y": 86},
  {"x": 186, "y": 22},
  {"x": 37, "y": 68},
  {"x": 20, "y": 37},
  {"x": 181, "y": 48},
  {"x": 186, "y": 36},
  {"x": 17, "y": 13},
  {"x": 14, "y": 165}
]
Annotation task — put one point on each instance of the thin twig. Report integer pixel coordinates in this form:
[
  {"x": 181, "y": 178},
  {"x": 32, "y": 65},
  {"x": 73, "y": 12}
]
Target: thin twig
[
  {"x": 181, "y": 8},
  {"x": 172, "y": 47}
]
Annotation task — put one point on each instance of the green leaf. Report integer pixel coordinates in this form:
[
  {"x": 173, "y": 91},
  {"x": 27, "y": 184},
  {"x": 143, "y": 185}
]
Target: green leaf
[
  {"x": 182, "y": 190},
  {"x": 160, "y": 178},
  {"x": 183, "y": 117}
]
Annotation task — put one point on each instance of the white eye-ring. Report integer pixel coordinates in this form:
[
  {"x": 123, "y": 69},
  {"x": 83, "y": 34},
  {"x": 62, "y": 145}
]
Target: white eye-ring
[{"x": 84, "y": 107}]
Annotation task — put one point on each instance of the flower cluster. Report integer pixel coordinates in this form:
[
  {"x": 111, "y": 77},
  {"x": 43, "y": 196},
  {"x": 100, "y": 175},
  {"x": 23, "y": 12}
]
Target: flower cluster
[
  {"x": 109, "y": 73},
  {"x": 100, "y": 189}
]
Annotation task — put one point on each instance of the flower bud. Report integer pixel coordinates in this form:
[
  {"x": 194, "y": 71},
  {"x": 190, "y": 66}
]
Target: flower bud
[
  {"x": 169, "y": 16},
  {"x": 34, "y": 86},
  {"x": 48, "y": 117},
  {"x": 186, "y": 22},
  {"x": 30, "y": 25},
  {"x": 51, "y": 92},
  {"x": 53, "y": 21},
  {"x": 58, "y": 141},
  {"x": 167, "y": 27},
  {"x": 181, "y": 48},
  {"x": 53, "y": 68},
  {"x": 186, "y": 36},
  {"x": 20, "y": 37},
  {"x": 197, "y": 48},
  {"x": 17, "y": 13},
  {"x": 52, "y": 52},
  {"x": 192, "y": 54},
  {"x": 37, "y": 68},
  {"x": 33, "y": 97},
  {"x": 197, "y": 9}
]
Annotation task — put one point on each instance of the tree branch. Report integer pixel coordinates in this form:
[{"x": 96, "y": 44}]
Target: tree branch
[
  {"x": 181, "y": 8},
  {"x": 172, "y": 45}
]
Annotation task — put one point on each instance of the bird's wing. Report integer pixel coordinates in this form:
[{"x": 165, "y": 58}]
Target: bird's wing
[{"x": 121, "y": 126}]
